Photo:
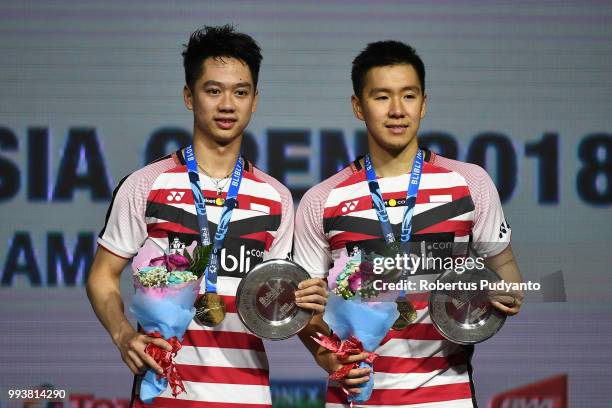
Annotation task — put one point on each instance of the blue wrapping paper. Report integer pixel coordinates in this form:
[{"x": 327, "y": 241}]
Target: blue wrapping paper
[
  {"x": 368, "y": 321},
  {"x": 167, "y": 310}
]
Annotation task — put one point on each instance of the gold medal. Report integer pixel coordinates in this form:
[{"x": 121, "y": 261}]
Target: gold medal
[
  {"x": 407, "y": 314},
  {"x": 210, "y": 310}
]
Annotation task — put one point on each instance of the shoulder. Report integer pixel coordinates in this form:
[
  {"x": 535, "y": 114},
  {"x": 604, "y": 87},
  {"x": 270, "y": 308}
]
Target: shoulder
[
  {"x": 467, "y": 170},
  {"x": 267, "y": 185},
  {"x": 143, "y": 179},
  {"x": 319, "y": 193},
  {"x": 474, "y": 176}
]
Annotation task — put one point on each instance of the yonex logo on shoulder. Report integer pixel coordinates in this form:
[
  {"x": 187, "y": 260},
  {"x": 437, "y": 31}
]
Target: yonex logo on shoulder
[
  {"x": 175, "y": 196},
  {"x": 504, "y": 229},
  {"x": 349, "y": 206}
]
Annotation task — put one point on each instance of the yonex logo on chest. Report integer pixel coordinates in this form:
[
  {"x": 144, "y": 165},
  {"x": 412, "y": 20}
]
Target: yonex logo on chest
[
  {"x": 349, "y": 206},
  {"x": 175, "y": 195}
]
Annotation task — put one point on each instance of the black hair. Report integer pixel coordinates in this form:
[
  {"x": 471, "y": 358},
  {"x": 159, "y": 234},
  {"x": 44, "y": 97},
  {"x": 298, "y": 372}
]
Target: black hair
[
  {"x": 219, "y": 42},
  {"x": 384, "y": 53}
]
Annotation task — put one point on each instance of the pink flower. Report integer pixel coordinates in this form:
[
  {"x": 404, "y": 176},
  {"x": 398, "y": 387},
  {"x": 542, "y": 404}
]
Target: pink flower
[
  {"x": 355, "y": 281},
  {"x": 173, "y": 262}
]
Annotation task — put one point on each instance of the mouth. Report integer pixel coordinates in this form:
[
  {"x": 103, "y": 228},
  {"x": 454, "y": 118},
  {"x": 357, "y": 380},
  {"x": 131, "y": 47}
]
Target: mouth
[
  {"x": 225, "y": 123},
  {"x": 396, "y": 129}
]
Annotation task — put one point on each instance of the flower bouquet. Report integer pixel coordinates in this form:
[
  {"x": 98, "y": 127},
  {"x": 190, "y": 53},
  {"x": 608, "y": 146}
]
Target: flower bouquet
[
  {"x": 357, "y": 325},
  {"x": 166, "y": 290}
]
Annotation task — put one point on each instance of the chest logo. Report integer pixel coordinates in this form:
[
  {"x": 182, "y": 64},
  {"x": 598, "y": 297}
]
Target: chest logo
[
  {"x": 349, "y": 206},
  {"x": 175, "y": 196}
]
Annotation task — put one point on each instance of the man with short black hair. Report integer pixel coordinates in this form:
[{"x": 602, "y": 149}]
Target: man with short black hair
[
  {"x": 224, "y": 365},
  {"x": 449, "y": 201}
]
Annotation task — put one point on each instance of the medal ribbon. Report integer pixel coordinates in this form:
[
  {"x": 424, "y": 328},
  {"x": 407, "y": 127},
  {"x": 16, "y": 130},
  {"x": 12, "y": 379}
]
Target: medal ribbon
[
  {"x": 226, "y": 214},
  {"x": 379, "y": 204}
]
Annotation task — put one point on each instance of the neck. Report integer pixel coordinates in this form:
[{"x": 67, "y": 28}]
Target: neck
[
  {"x": 391, "y": 163},
  {"x": 217, "y": 159}
]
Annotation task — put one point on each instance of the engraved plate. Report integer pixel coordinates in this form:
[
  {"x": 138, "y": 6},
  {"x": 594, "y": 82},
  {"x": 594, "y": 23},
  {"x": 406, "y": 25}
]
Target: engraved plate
[
  {"x": 465, "y": 316},
  {"x": 265, "y": 300}
]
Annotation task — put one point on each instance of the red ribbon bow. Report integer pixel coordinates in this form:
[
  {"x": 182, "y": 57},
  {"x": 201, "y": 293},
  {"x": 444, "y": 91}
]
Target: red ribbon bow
[
  {"x": 165, "y": 359},
  {"x": 344, "y": 349}
]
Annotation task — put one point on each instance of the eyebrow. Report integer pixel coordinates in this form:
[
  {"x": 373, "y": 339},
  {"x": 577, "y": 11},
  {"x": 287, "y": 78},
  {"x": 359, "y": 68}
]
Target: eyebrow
[
  {"x": 413, "y": 88},
  {"x": 222, "y": 85}
]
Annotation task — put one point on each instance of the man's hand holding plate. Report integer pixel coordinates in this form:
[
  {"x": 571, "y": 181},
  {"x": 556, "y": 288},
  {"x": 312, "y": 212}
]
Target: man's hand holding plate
[{"x": 312, "y": 294}]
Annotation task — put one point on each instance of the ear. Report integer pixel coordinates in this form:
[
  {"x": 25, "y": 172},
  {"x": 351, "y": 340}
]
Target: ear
[
  {"x": 424, "y": 106},
  {"x": 188, "y": 98},
  {"x": 357, "y": 107},
  {"x": 255, "y": 100}
]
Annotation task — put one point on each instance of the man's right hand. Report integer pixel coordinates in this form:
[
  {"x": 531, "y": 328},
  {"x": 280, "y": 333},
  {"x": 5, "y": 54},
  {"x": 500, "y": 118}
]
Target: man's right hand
[
  {"x": 330, "y": 362},
  {"x": 132, "y": 346},
  {"x": 105, "y": 297}
]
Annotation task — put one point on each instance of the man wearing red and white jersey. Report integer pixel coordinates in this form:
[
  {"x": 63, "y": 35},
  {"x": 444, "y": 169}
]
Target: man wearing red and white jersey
[
  {"x": 455, "y": 202},
  {"x": 225, "y": 365}
]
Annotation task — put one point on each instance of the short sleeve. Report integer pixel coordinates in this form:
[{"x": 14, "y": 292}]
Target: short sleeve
[
  {"x": 490, "y": 232},
  {"x": 125, "y": 228},
  {"x": 311, "y": 248},
  {"x": 283, "y": 237}
]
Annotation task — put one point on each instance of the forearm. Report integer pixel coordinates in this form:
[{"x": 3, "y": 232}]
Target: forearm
[
  {"x": 505, "y": 265},
  {"x": 108, "y": 307},
  {"x": 105, "y": 296},
  {"x": 316, "y": 325},
  {"x": 327, "y": 359}
]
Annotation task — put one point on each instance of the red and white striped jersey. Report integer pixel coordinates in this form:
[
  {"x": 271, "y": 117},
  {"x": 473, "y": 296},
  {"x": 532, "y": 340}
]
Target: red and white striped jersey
[
  {"x": 224, "y": 366},
  {"x": 456, "y": 202}
]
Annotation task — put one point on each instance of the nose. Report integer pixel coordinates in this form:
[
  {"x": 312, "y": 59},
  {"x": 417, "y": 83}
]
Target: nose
[
  {"x": 226, "y": 104},
  {"x": 396, "y": 110}
]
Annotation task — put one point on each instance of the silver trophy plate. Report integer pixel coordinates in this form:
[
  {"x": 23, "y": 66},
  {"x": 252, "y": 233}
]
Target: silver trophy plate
[
  {"x": 265, "y": 300},
  {"x": 465, "y": 316}
]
